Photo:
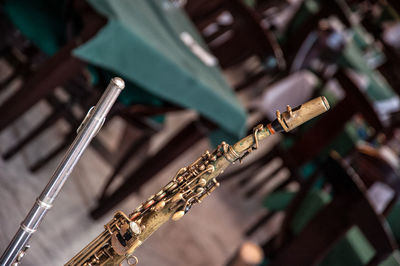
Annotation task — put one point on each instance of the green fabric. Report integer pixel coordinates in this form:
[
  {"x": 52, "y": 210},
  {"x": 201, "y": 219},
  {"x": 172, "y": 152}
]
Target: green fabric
[
  {"x": 359, "y": 38},
  {"x": 378, "y": 88},
  {"x": 388, "y": 14},
  {"x": 394, "y": 221},
  {"x": 307, "y": 9},
  {"x": 311, "y": 204},
  {"x": 142, "y": 43},
  {"x": 353, "y": 249},
  {"x": 279, "y": 200},
  {"x": 41, "y": 21},
  {"x": 392, "y": 260}
]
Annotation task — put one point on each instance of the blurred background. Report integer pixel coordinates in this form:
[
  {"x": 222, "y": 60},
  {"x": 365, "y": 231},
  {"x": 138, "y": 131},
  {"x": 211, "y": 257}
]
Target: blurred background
[{"x": 198, "y": 72}]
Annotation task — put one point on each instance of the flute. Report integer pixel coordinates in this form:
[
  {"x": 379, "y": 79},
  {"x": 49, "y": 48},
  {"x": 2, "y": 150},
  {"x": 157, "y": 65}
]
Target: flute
[
  {"x": 88, "y": 129},
  {"x": 191, "y": 184}
]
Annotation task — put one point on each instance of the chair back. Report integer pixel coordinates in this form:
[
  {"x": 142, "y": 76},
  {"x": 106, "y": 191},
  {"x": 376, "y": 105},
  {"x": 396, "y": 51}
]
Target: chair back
[
  {"x": 349, "y": 207},
  {"x": 233, "y": 32}
]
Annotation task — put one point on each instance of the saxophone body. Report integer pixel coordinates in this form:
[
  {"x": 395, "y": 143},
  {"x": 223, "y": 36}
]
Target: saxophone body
[{"x": 125, "y": 233}]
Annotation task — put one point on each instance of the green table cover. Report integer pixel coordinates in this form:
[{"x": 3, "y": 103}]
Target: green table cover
[
  {"x": 141, "y": 42},
  {"x": 41, "y": 21}
]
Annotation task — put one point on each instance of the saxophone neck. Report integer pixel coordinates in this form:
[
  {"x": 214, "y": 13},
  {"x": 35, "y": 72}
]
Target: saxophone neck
[{"x": 285, "y": 121}]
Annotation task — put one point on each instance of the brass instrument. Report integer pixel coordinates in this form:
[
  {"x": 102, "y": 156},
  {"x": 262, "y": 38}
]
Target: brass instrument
[{"x": 124, "y": 233}]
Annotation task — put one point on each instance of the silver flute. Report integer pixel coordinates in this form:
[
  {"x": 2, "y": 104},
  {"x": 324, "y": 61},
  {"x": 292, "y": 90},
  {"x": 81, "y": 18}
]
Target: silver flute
[{"x": 90, "y": 126}]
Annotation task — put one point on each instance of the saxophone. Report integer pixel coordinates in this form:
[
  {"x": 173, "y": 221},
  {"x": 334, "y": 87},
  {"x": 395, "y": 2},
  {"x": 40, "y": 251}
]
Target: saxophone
[{"x": 191, "y": 184}]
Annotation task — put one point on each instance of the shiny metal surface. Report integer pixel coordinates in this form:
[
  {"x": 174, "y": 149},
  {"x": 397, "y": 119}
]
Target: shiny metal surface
[{"x": 87, "y": 131}]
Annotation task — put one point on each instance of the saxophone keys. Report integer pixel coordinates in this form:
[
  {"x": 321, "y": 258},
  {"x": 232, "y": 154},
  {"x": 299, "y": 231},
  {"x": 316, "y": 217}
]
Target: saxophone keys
[
  {"x": 199, "y": 190},
  {"x": 170, "y": 186},
  {"x": 202, "y": 182},
  {"x": 149, "y": 204},
  {"x": 177, "y": 197},
  {"x": 179, "y": 179},
  {"x": 135, "y": 215},
  {"x": 216, "y": 184},
  {"x": 159, "y": 205},
  {"x": 151, "y": 197},
  {"x": 161, "y": 196},
  {"x": 135, "y": 228},
  {"x": 116, "y": 245},
  {"x": 178, "y": 215}
]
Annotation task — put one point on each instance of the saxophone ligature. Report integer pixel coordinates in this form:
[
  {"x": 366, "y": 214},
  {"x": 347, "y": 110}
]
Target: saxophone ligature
[{"x": 191, "y": 184}]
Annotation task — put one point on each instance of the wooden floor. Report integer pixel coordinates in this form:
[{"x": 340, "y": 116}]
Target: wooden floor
[{"x": 207, "y": 235}]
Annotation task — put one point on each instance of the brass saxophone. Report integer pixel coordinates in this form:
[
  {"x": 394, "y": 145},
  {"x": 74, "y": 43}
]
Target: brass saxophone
[{"x": 124, "y": 233}]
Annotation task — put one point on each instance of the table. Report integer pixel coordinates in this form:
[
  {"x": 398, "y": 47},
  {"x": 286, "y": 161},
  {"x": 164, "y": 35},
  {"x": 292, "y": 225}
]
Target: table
[{"x": 141, "y": 42}]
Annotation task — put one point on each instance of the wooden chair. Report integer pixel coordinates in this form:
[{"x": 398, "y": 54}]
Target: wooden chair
[
  {"x": 54, "y": 72},
  {"x": 301, "y": 25},
  {"x": 349, "y": 207},
  {"x": 40, "y": 75},
  {"x": 238, "y": 38},
  {"x": 374, "y": 170},
  {"x": 392, "y": 57}
]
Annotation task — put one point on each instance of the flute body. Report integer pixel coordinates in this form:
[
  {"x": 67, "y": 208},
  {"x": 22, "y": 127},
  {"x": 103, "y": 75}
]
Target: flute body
[
  {"x": 124, "y": 233},
  {"x": 86, "y": 132}
]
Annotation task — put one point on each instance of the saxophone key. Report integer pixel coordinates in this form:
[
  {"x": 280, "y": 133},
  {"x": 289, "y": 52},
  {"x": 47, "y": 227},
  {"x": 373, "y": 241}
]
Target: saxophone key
[
  {"x": 177, "y": 197},
  {"x": 135, "y": 215},
  {"x": 202, "y": 182},
  {"x": 148, "y": 204},
  {"x": 161, "y": 196},
  {"x": 178, "y": 215},
  {"x": 135, "y": 228},
  {"x": 170, "y": 186},
  {"x": 160, "y": 205}
]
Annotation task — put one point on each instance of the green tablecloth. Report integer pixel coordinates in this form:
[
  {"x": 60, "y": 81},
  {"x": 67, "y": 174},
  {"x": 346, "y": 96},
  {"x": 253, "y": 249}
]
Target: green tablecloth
[
  {"x": 141, "y": 42},
  {"x": 41, "y": 21}
]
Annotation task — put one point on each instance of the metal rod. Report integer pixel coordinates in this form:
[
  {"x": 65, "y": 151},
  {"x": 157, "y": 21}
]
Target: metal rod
[{"x": 86, "y": 132}]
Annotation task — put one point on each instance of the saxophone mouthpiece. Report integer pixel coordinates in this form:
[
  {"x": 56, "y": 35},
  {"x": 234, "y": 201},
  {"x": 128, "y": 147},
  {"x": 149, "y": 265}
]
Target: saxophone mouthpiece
[{"x": 293, "y": 118}]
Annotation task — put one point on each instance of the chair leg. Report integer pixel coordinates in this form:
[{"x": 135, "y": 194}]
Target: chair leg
[
  {"x": 56, "y": 114},
  {"x": 264, "y": 219},
  {"x": 55, "y": 71},
  {"x": 259, "y": 185},
  {"x": 136, "y": 145},
  {"x": 255, "y": 164},
  {"x": 250, "y": 81},
  {"x": 260, "y": 163},
  {"x": 43, "y": 161},
  {"x": 151, "y": 167}
]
